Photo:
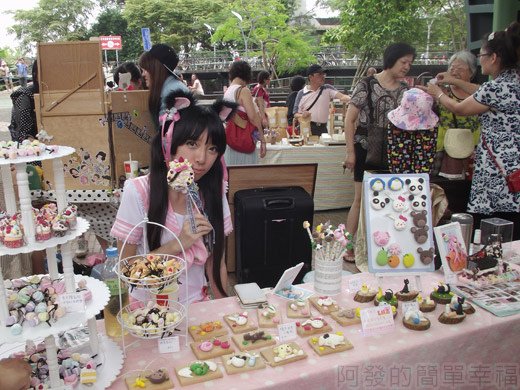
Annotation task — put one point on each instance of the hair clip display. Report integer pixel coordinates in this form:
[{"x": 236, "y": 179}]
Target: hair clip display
[
  {"x": 399, "y": 205},
  {"x": 415, "y": 186},
  {"x": 377, "y": 184},
  {"x": 395, "y": 184},
  {"x": 381, "y": 238},
  {"x": 400, "y": 221},
  {"x": 418, "y": 202},
  {"x": 379, "y": 201}
]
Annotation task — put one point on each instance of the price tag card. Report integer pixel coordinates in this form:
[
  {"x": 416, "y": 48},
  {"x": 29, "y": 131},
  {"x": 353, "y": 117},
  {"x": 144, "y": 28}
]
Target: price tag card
[
  {"x": 410, "y": 305},
  {"x": 287, "y": 332},
  {"x": 354, "y": 285},
  {"x": 377, "y": 320},
  {"x": 72, "y": 302},
  {"x": 169, "y": 344}
]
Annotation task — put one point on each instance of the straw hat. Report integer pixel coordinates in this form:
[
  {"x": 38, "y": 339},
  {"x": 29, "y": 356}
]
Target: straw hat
[{"x": 414, "y": 112}]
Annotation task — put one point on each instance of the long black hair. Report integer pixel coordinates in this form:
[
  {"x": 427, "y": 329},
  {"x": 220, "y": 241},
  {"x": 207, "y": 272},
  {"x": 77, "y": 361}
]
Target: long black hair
[{"x": 194, "y": 120}]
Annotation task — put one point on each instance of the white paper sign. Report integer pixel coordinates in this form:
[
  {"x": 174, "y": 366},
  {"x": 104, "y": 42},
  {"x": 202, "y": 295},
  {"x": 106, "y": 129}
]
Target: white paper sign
[
  {"x": 410, "y": 305},
  {"x": 169, "y": 344},
  {"x": 287, "y": 332},
  {"x": 354, "y": 285},
  {"x": 377, "y": 320},
  {"x": 72, "y": 302}
]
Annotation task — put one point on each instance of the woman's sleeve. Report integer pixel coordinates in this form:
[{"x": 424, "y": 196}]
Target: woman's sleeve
[
  {"x": 486, "y": 94},
  {"x": 359, "y": 96},
  {"x": 129, "y": 214}
]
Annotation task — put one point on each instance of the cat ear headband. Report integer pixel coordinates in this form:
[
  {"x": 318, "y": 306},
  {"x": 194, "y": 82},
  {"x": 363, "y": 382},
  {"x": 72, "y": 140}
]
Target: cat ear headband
[{"x": 171, "y": 115}]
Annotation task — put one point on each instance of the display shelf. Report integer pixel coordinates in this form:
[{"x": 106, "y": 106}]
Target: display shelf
[
  {"x": 81, "y": 227},
  {"x": 100, "y": 297},
  {"x": 61, "y": 152}
]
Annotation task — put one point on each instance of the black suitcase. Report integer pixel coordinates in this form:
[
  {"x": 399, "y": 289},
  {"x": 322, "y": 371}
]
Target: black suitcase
[{"x": 269, "y": 233}]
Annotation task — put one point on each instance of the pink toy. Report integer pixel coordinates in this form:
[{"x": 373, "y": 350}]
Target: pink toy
[{"x": 381, "y": 238}]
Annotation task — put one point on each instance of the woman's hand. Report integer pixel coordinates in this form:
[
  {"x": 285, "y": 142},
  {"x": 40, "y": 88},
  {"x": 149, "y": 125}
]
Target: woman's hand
[
  {"x": 203, "y": 227},
  {"x": 445, "y": 78},
  {"x": 432, "y": 89},
  {"x": 350, "y": 161},
  {"x": 14, "y": 374},
  {"x": 263, "y": 149}
]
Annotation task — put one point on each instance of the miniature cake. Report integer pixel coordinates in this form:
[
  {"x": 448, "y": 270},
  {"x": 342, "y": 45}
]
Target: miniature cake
[
  {"x": 426, "y": 305},
  {"x": 312, "y": 326},
  {"x": 298, "y": 308},
  {"x": 239, "y": 363},
  {"x": 253, "y": 340},
  {"x": 324, "y": 304},
  {"x": 207, "y": 330},
  {"x": 268, "y": 316},
  {"x": 346, "y": 317},
  {"x": 70, "y": 215},
  {"x": 387, "y": 297},
  {"x": 197, "y": 372},
  {"x": 239, "y": 322},
  {"x": 150, "y": 269},
  {"x": 283, "y": 354},
  {"x": 151, "y": 320},
  {"x": 330, "y": 343},
  {"x": 467, "y": 308},
  {"x": 365, "y": 294},
  {"x": 42, "y": 229},
  {"x": 13, "y": 236},
  {"x": 210, "y": 349},
  {"x": 415, "y": 320},
  {"x": 452, "y": 317},
  {"x": 154, "y": 380},
  {"x": 405, "y": 294},
  {"x": 442, "y": 294},
  {"x": 59, "y": 227}
]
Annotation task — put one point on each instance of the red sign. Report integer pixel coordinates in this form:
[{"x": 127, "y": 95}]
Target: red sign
[{"x": 112, "y": 42}]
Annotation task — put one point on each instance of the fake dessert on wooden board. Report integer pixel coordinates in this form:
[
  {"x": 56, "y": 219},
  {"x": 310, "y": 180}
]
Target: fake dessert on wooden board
[
  {"x": 442, "y": 294},
  {"x": 388, "y": 297},
  {"x": 283, "y": 354},
  {"x": 406, "y": 294},
  {"x": 268, "y": 316},
  {"x": 210, "y": 349},
  {"x": 207, "y": 330},
  {"x": 330, "y": 343},
  {"x": 239, "y": 322},
  {"x": 365, "y": 294},
  {"x": 313, "y": 325},
  {"x": 415, "y": 320},
  {"x": 456, "y": 301},
  {"x": 238, "y": 363},
  {"x": 324, "y": 304},
  {"x": 298, "y": 308},
  {"x": 197, "y": 372},
  {"x": 451, "y": 317},
  {"x": 253, "y": 340},
  {"x": 426, "y": 305},
  {"x": 153, "y": 380},
  {"x": 346, "y": 317}
]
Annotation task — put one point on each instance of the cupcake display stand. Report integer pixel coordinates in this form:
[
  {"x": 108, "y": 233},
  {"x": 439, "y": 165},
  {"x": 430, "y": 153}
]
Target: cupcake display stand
[
  {"x": 154, "y": 286},
  {"x": 108, "y": 353}
]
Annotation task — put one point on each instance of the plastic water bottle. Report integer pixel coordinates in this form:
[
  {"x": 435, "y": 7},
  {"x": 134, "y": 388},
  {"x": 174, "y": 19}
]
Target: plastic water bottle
[{"x": 109, "y": 276}]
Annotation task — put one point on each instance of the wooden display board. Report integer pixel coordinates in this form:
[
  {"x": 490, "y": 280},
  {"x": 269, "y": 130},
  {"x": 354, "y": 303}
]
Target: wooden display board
[{"x": 132, "y": 129}]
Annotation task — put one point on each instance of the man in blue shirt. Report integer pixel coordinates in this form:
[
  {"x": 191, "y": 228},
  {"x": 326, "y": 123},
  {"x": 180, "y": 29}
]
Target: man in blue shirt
[{"x": 21, "y": 66}]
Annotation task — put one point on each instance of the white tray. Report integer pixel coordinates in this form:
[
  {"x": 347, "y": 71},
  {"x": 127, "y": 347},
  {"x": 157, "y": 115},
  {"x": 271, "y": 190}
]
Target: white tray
[
  {"x": 61, "y": 152},
  {"x": 81, "y": 227},
  {"x": 100, "y": 297}
]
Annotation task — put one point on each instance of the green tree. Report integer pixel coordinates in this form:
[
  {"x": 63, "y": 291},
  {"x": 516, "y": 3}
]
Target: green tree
[
  {"x": 44, "y": 23},
  {"x": 179, "y": 23},
  {"x": 368, "y": 26},
  {"x": 112, "y": 22},
  {"x": 262, "y": 26}
]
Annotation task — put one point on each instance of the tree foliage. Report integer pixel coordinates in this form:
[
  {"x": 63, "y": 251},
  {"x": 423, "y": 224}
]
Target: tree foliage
[
  {"x": 51, "y": 21},
  {"x": 265, "y": 29},
  {"x": 179, "y": 23}
]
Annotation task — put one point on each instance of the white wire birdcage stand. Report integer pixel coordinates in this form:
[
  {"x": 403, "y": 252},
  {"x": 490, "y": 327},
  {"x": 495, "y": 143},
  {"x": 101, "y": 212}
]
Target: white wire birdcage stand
[{"x": 176, "y": 332}]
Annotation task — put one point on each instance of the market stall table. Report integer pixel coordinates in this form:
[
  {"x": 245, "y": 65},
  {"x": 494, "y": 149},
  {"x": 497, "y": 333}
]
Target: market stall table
[
  {"x": 481, "y": 351},
  {"x": 334, "y": 186}
]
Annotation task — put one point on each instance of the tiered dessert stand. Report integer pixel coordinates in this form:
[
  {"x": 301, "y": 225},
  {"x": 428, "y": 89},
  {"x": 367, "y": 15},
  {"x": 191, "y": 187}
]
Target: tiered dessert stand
[{"x": 101, "y": 346}]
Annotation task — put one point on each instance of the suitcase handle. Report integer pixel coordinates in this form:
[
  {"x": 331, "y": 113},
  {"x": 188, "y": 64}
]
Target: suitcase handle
[{"x": 279, "y": 203}]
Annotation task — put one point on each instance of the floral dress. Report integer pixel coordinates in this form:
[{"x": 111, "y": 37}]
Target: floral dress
[{"x": 500, "y": 127}]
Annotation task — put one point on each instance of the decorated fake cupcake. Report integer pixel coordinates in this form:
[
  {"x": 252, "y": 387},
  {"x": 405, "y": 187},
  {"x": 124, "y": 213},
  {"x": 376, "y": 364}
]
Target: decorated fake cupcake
[
  {"x": 49, "y": 211},
  {"x": 452, "y": 317},
  {"x": 70, "y": 215},
  {"x": 180, "y": 174},
  {"x": 456, "y": 301},
  {"x": 59, "y": 227},
  {"x": 13, "y": 236},
  {"x": 442, "y": 294},
  {"x": 415, "y": 320},
  {"x": 406, "y": 294},
  {"x": 388, "y": 297},
  {"x": 365, "y": 294},
  {"x": 42, "y": 229},
  {"x": 426, "y": 305}
]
